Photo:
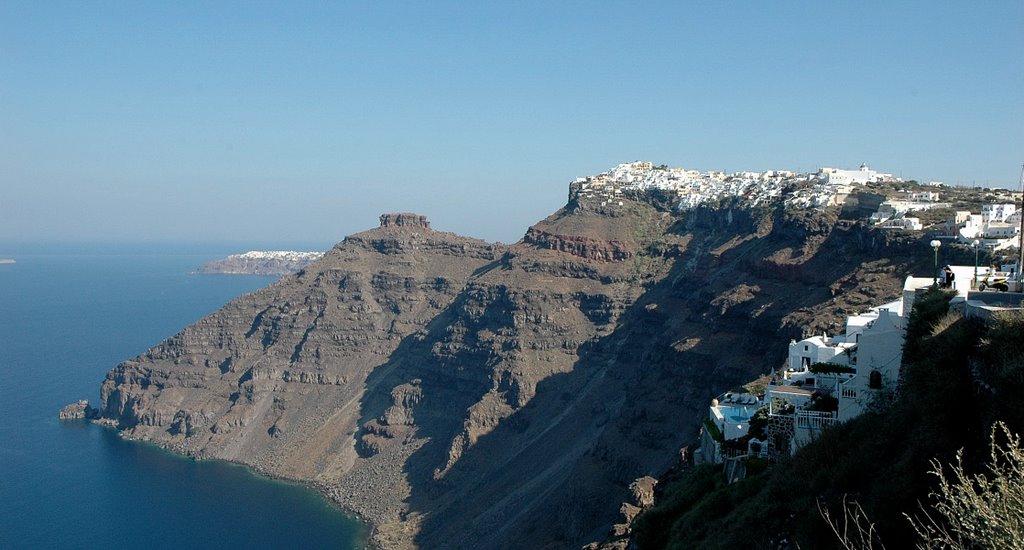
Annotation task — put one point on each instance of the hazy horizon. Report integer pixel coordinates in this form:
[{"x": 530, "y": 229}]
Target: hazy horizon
[{"x": 300, "y": 122}]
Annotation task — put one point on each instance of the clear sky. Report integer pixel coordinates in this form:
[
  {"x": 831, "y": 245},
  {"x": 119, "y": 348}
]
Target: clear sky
[{"x": 291, "y": 121}]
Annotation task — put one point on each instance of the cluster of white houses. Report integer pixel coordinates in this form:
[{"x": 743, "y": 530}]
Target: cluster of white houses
[
  {"x": 996, "y": 228},
  {"x": 827, "y": 187},
  {"x": 893, "y": 213},
  {"x": 826, "y": 379}
]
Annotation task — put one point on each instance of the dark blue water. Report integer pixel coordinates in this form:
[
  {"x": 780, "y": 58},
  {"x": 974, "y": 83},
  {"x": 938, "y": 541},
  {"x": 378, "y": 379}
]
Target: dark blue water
[{"x": 65, "y": 319}]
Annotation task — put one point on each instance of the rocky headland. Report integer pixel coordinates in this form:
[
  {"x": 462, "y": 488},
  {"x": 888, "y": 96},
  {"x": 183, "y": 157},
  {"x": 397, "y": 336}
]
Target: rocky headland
[
  {"x": 79, "y": 410},
  {"x": 463, "y": 394}
]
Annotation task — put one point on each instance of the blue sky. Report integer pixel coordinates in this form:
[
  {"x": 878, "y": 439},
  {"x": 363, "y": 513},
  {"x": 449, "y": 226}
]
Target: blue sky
[{"x": 302, "y": 122}]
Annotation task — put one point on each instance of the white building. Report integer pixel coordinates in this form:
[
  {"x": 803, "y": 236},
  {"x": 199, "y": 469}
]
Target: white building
[
  {"x": 903, "y": 223},
  {"x": 997, "y": 212},
  {"x": 864, "y": 365},
  {"x": 892, "y": 210},
  {"x": 837, "y": 176},
  {"x": 924, "y": 196},
  {"x": 878, "y": 357},
  {"x": 1000, "y": 230},
  {"x": 816, "y": 349}
]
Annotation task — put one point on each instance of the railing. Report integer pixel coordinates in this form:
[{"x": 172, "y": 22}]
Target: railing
[
  {"x": 847, "y": 389},
  {"x": 732, "y": 453},
  {"x": 815, "y": 420}
]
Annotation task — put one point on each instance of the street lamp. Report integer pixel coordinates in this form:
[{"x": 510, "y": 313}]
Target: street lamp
[
  {"x": 935, "y": 274},
  {"x": 976, "y": 243}
]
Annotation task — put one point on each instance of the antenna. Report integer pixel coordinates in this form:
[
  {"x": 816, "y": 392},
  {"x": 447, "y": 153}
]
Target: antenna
[{"x": 1020, "y": 245}]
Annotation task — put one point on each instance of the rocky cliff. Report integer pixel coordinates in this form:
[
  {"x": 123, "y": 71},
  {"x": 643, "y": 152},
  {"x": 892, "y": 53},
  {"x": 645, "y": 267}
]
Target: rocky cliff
[{"x": 461, "y": 394}]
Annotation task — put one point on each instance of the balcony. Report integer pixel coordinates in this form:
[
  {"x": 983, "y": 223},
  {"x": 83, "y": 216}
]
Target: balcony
[{"x": 814, "y": 420}]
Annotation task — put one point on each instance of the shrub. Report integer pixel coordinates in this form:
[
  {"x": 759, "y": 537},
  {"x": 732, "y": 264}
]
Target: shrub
[
  {"x": 983, "y": 510},
  {"x": 824, "y": 403},
  {"x": 713, "y": 430},
  {"x": 831, "y": 368}
]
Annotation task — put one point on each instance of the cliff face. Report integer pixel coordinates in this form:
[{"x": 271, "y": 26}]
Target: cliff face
[{"x": 462, "y": 394}]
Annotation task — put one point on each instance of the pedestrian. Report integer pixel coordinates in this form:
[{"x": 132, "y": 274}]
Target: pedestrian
[{"x": 948, "y": 277}]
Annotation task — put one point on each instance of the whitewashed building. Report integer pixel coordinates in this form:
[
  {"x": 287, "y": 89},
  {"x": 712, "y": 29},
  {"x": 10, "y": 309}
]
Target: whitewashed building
[
  {"x": 924, "y": 196},
  {"x": 864, "y": 174},
  {"x": 877, "y": 360}
]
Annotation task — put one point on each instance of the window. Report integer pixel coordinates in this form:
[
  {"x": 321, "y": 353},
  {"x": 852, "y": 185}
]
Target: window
[{"x": 875, "y": 380}]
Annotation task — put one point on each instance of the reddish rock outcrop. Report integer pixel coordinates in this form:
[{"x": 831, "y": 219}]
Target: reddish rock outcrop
[{"x": 584, "y": 247}]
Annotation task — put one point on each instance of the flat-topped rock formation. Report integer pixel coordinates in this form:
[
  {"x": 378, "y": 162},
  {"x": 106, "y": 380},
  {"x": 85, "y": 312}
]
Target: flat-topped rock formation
[{"x": 404, "y": 220}]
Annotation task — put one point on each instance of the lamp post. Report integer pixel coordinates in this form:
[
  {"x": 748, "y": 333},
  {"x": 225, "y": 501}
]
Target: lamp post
[
  {"x": 935, "y": 244},
  {"x": 976, "y": 243}
]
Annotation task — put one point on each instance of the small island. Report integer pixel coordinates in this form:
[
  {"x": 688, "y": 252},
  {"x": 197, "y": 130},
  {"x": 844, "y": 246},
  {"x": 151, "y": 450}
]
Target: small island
[{"x": 254, "y": 262}]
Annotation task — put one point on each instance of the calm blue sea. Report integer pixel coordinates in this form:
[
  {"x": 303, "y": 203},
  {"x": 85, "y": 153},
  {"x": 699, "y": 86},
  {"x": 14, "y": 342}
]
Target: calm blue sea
[{"x": 67, "y": 315}]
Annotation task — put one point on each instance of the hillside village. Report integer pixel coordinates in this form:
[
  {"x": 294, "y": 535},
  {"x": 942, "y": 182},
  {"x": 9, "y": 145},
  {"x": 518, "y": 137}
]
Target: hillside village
[
  {"x": 960, "y": 214},
  {"x": 257, "y": 262},
  {"x": 828, "y": 187}
]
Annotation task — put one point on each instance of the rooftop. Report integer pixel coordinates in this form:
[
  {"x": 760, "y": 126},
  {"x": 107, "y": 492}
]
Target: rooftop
[{"x": 795, "y": 390}]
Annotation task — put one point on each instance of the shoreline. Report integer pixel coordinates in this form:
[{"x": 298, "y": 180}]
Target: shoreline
[{"x": 320, "y": 488}]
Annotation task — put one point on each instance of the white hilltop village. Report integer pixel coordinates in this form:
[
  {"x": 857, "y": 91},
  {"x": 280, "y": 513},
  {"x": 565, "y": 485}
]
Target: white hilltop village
[
  {"x": 826, "y": 187},
  {"x": 261, "y": 262},
  {"x": 996, "y": 227}
]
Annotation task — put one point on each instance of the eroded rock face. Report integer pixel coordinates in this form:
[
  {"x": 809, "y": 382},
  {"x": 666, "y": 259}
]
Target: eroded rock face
[
  {"x": 404, "y": 220},
  {"x": 461, "y": 394},
  {"x": 584, "y": 247},
  {"x": 78, "y": 411}
]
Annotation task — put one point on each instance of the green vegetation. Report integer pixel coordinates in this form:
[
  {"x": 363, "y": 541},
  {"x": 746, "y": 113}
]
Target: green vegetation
[
  {"x": 831, "y": 368},
  {"x": 824, "y": 403},
  {"x": 713, "y": 430},
  {"x": 651, "y": 248},
  {"x": 881, "y": 459},
  {"x": 936, "y": 216}
]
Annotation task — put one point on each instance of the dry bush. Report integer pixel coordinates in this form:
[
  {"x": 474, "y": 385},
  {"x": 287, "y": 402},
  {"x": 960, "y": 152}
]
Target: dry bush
[
  {"x": 970, "y": 511},
  {"x": 854, "y": 531},
  {"x": 983, "y": 510}
]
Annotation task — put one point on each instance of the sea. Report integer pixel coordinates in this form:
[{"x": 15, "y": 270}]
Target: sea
[{"x": 69, "y": 313}]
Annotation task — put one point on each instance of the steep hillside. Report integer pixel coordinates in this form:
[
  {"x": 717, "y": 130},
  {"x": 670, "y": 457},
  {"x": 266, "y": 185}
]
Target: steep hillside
[
  {"x": 959, "y": 379},
  {"x": 466, "y": 395}
]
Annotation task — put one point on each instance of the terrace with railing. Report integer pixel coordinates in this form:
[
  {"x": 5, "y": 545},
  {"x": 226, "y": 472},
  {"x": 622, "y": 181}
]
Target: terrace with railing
[{"x": 814, "y": 420}]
